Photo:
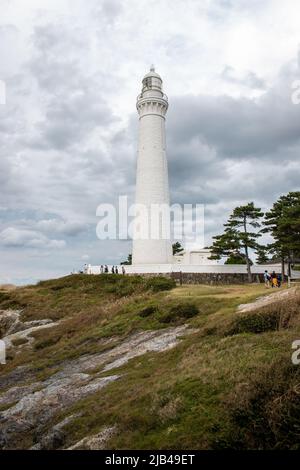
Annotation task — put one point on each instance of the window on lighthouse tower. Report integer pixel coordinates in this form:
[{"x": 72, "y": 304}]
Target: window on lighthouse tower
[{"x": 148, "y": 82}]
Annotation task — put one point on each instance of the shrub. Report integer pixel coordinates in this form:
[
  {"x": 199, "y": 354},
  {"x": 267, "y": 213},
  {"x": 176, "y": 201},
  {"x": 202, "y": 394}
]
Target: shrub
[
  {"x": 19, "y": 341},
  {"x": 179, "y": 312},
  {"x": 45, "y": 343},
  {"x": 157, "y": 284},
  {"x": 278, "y": 315},
  {"x": 56, "y": 288},
  {"x": 255, "y": 323},
  {"x": 120, "y": 290},
  {"x": 3, "y": 296},
  {"x": 147, "y": 311},
  {"x": 187, "y": 310},
  {"x": 264, "y": 411}
]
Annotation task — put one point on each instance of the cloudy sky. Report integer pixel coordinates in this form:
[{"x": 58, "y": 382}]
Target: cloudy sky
[{"x": 68, "y": 130}]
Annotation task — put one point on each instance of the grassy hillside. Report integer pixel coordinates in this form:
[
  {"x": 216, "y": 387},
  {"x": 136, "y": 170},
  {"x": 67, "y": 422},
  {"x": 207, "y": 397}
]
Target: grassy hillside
[{"x": 229, "y": 384}]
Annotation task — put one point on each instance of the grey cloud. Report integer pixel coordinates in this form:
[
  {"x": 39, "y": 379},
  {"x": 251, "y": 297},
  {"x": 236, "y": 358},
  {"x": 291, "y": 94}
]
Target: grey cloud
[
  {"x": 57, "y": 226},
  {"x": 221, "y": 10},
  {"x": 74, "y": 107},
  {"x": 15, "y": 237},
  {"x": 70, "y": 119},
  {"x": 250, "y": 80},
  {"x": 233, "y": 150},
  {"x": 111, "y": 9},
  {"x": 239, "y": 127}
]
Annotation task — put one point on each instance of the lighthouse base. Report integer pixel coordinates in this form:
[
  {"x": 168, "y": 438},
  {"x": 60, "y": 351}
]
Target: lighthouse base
[{"x": 152, "y": 252}]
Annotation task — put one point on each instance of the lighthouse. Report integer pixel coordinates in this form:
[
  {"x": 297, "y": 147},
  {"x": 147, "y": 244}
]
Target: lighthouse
[{"x": 151, "y": 243}]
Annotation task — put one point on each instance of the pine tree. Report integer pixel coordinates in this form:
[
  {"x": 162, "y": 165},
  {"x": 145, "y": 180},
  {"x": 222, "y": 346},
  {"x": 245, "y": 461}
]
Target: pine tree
[
  {"x": 177, "y": 248},
  {"x": 261, "y": 253},
  {"x": 128, "y": 262},
  {"x": 237, "y": 235},
  {"x": 225, "y": 245},
  {"x": 283, "y": 223},
  {"x": 237, "y": 258}
]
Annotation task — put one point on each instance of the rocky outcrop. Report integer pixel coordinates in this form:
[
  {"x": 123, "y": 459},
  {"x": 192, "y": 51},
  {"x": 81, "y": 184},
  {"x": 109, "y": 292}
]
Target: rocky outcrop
[
  {"x": 55, "y": 438},
  {"x": 36, "y": 403},
  {"x": 13, "y": 329},
  {"x": 96, "y": 442},
  {"x": 15, "y": 394},
  {"x": 36, "y": 408},
  {"x": 267, "y": 300},
  {"x": 8, "y": 319},
  {"x": 133, "y": 346}
]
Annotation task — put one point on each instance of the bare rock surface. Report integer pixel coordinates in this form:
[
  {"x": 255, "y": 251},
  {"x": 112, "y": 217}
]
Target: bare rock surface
[
  {"x": 13, "y": 329},
  {"x": 55, "y": 438},
  {"x": 135, "y": 345},
  {"x": 35, "y": 403},
  {"x": 39, "y": 407},
  {"x": 21, "y": 375},
  {"x": 15, "y": 394},
  {"x": 267, "y": 300},
  {"x": 25, "y": 333},
  {"x": 8, "y": 318},
  {"x": 95, "y": 442}
]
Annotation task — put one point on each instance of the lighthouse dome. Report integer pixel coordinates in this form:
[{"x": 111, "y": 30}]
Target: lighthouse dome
[
  {"x": 152, "y": 73},
  {"x": 152, "y": 81}
]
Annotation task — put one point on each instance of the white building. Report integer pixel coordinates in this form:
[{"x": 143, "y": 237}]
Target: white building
[
  {"x": 194, "y": 257},
  {"x": 152, "y": 186}
]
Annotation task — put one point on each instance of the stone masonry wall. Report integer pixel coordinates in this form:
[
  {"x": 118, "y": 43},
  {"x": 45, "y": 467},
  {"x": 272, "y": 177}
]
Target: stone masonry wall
[
  {"x": 215, "y": 278},
  {"x": 207, "y": 278}
]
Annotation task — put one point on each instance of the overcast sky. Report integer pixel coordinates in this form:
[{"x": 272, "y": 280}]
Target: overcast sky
[{"x": 68, "y": 130}]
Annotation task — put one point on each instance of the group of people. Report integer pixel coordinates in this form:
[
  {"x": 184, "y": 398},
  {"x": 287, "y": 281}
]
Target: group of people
[
  {"x": 114, "y": 270},
  {"x": 104, "y": 269},
  {"x": 272, "y": 280}
]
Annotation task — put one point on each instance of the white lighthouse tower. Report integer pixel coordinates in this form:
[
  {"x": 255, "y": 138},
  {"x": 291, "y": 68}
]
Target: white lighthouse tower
[{"x": 152, "y": 186}]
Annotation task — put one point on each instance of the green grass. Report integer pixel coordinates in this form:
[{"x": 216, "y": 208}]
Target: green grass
[
  {"x": 92, "y": 308},
  {"x": 69, "y": 295},
  {"x": 230, "y": 384}
]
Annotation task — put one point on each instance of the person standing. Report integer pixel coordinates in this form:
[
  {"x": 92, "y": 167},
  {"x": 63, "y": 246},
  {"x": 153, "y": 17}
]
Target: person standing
[
  {"x": 279, "y": 280},
  {"x": 267, "y": 279},
  {"x": 123, "y": 270},
  {"x": 274, "y": 279},
  {"x": 101, "y": 269},
  {"x": 106, "y": 269},
  {"x": 113, "y": 270},
  {"x": 116, "y": 270}
]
